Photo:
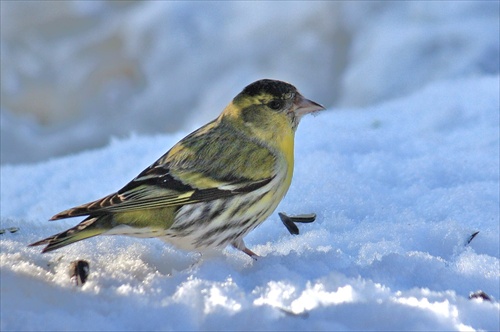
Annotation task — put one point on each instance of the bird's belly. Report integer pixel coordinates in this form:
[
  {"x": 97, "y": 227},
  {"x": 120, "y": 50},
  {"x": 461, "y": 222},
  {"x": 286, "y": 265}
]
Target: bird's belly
[{"x": 220, "y": 222}]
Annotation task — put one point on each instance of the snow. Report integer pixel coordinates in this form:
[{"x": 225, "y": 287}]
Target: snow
[
  {"x": 398, "y": 189},
  {"x": 401, "y": 169}
]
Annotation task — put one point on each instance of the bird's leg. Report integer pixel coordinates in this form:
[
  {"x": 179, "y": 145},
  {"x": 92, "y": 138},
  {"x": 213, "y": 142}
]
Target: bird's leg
[
  {"x": 240, "y": 245},
  {"x": 250, "y": 253}
]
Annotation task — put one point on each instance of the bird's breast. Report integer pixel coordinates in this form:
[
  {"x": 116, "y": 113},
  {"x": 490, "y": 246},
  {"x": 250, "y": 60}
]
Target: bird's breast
[{"x": 286, "y": 149}]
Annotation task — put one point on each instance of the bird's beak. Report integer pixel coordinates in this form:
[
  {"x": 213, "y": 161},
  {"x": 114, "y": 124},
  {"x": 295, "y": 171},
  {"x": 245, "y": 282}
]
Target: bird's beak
[{"x": 305, "y": 106}]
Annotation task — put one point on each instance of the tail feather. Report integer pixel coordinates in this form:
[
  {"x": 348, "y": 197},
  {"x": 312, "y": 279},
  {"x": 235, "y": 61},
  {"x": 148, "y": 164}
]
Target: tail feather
[
  {"x": 92, "y": 226},
  {"x": 92, "y": 208}
]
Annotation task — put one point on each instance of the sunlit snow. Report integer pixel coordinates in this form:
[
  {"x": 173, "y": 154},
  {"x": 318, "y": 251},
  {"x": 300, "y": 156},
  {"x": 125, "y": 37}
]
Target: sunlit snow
[{"x": 399, "y": 182}]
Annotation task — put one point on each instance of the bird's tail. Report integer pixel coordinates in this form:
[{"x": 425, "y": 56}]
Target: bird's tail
[{"x": 92, "y": 226}]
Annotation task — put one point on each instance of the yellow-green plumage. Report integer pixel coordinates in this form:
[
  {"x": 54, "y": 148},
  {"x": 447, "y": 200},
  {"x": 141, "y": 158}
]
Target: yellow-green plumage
[{"x": 212, "y": 187}]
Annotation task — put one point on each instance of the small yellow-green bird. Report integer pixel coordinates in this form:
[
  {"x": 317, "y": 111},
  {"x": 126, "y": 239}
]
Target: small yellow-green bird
[{"x": 211, "y": 188}]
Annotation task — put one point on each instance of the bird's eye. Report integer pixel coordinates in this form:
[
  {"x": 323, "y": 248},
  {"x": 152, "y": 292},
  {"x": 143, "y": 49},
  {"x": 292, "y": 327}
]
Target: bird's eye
[{"x": 275, "y": 104}]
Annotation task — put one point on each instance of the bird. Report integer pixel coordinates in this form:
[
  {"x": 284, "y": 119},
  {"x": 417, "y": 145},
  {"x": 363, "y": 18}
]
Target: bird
[{"x": 212, "y": 187}]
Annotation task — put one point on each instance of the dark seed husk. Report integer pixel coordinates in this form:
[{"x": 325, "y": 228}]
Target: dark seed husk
[
  {"x": 292, "y": 228},
  {"x": 473, "y": 235},
  {"x": 289, "y": 221},
  {"x": 79, "y": 271},
  {"x": 479, "y": 295},
  {"x": 303, "y": 218}
]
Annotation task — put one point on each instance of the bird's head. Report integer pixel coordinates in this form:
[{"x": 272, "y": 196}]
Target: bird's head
[{"x": 270, "y": 107}]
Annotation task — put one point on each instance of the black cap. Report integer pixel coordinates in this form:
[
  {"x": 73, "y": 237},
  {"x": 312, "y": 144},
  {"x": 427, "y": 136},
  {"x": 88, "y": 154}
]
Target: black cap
[{"x": 273, "y": 87}]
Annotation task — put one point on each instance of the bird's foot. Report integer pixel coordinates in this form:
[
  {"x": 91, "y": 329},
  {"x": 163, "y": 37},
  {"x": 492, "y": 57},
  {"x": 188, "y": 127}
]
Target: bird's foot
[
  {"x": 250, "y": 253},
  {"x": 240, "y": 245}
]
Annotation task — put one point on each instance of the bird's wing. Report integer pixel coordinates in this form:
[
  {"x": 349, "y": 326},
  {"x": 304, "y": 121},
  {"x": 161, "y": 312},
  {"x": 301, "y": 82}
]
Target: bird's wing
[
  {"x": 183, "y": 180},
  {"x": 165, "y": 190}
]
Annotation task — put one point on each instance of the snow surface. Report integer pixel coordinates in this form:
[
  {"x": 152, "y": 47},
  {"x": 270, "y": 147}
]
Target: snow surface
[
  {"x": 398, "y": 189},
  {"x": 398, "y": 185}
]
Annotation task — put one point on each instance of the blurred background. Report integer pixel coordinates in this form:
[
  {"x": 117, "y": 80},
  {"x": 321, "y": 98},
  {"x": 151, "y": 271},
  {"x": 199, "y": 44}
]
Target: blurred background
[{"x": 74, "y": 74}]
